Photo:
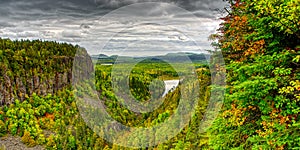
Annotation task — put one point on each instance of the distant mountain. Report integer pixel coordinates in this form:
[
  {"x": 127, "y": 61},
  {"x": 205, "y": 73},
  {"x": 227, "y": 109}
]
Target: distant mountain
[
  {"x": 182, "y": 56},
  {"x": 100, "y": 56},
  {"x": 171, "y": 57}
]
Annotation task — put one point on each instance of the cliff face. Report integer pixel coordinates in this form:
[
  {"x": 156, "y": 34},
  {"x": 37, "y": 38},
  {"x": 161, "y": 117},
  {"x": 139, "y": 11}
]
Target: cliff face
[{"x": 28, "y": 67}]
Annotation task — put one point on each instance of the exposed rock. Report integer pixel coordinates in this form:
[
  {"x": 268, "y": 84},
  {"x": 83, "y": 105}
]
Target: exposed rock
[
  {"x": 39, "y": 81},
  {"x": 14, "y": 143}
]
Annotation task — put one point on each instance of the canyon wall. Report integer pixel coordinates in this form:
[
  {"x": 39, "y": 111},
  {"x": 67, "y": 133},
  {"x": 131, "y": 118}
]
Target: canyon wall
[{"x": 40, "y": 67}]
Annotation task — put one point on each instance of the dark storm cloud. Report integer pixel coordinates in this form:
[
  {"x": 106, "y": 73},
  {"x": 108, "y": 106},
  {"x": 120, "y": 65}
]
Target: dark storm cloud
[
  {"x": 82, "y": 8},
  {"x": 81, "y": 21},
  {"x": 186, "y": 4}
]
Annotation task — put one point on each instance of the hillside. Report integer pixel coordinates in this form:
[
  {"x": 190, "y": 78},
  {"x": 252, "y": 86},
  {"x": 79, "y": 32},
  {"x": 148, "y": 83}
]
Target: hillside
[
  {"x": 260, "y": 44},
  {"x": 55, "y": 96},
  {"x": 170, "y": 57},
  {"x": 28, "y": 67},
  {"x": 42, "y": 110}
]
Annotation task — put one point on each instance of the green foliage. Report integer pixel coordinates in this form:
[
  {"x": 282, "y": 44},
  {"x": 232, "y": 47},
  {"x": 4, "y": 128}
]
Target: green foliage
[
  {"x": 53, "y": 120},
  {"x": 259, "y": 40},
  {"x": 28, "y": 67},
  {"x": 27, "y": 139},
  {"x": 71, "y": 142},
  {"x": 2, "y": 128}
]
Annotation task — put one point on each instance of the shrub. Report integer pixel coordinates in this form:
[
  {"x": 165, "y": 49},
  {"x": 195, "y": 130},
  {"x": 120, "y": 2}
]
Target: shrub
[
  {"x": 13, "y": 128},
  {"x": 41, "y": 139},
  {"x": 28, "y": 140},
  {"x": 2, "y": 128},
  {"x": 50, "y": 142}
]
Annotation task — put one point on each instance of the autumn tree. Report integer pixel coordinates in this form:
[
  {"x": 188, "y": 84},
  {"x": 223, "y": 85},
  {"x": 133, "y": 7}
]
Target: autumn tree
[{"x": 260, "y": 43}]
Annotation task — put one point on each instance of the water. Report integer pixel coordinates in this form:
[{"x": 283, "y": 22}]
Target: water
[{"x": 170, "y": 85}]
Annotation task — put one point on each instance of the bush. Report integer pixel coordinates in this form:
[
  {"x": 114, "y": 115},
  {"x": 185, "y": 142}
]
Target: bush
[
  {"x": 50, "y": 142},
  {"x": 28, "y": 140},
  {"x": 2, "y": 128}
]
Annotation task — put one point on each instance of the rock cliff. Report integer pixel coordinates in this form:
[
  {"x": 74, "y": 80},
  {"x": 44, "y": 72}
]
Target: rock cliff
[{"x": 40, "y": 67}]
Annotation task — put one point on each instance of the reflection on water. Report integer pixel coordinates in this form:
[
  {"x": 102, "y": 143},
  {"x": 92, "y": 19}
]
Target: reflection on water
[{"x": 170, "y": 85}]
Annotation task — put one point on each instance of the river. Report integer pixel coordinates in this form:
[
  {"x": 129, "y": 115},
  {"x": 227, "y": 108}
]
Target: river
[{"x": 169, "y": 84}]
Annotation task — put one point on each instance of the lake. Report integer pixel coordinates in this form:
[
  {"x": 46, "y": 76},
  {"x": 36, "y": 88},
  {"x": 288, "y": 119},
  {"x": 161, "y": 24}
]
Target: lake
[{"x": 169, "y": 84}]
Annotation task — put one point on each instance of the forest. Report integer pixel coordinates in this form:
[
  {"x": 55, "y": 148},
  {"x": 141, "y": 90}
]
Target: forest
[
  {"x": 41, "y": 107},
  {"x": 43, "y": 118},
  {"x": 260, "y": 44}
]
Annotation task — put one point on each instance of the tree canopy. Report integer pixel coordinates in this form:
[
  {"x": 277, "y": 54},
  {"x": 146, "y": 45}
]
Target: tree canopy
[{"x": 260, "y": 43}]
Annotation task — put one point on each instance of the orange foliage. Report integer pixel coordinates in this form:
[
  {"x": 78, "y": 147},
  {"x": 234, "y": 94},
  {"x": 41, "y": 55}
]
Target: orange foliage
[
  {"x": 234, "y": 40},
  {"x": 50, "y": 116}
]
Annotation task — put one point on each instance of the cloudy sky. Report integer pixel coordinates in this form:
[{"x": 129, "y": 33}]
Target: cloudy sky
[{"x": 123, "y": 27}]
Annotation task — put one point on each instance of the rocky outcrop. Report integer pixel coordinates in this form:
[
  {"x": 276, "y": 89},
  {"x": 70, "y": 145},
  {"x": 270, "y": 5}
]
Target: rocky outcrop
[
  {"x": 14, "y": 143},
  {"x": 44, "y": 68}
]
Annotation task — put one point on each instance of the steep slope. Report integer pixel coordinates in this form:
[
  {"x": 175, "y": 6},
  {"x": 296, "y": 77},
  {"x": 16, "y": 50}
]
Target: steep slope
[
  {"x": 260, "y": 42},
  {"x": 40, "y": 67}
]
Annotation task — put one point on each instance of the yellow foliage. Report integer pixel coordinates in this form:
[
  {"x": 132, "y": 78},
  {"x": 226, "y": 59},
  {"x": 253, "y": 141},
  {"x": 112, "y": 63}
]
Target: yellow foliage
[
  {"x": 236, "y": 115},
  {"x": 27, "y": 139},
  {"x": 50, "y": 141}
]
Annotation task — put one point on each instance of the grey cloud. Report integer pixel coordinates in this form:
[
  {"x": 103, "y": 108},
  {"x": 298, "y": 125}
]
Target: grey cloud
[
  {"x": 85, "y": 26},
  {"x": 84, "y": 8},
  {"x": 71, "y": 34},
  {"x": 81, "y": 21},
  {"x": 6, "y": 24},
  {"x": 71, "y": 40},
  {"x": 27, "y": 34},
  {"x": 47, "y": 33}
]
